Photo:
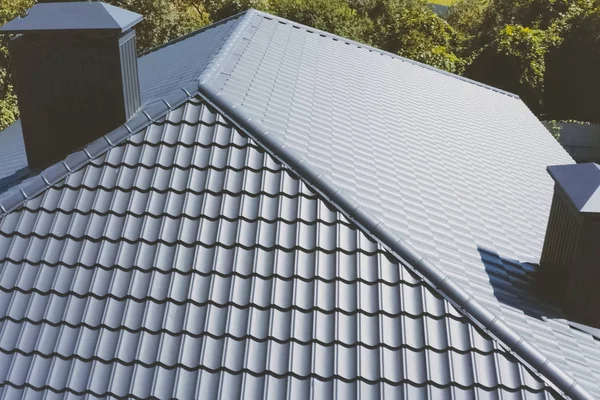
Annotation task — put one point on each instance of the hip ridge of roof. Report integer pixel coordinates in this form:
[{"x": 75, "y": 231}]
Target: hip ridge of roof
[{"x": 558, "y": 379}]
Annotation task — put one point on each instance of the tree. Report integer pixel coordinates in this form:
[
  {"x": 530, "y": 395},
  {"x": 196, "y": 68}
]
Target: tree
[
  {"x": 515, "y": 61},
  {"x": 333, "y": 16},
  {"x": 411, "y": 29},
  {"x": 9, "y": 111},
  {"x": 572, "y": 79},
  {"x": 543, "y": 50}
]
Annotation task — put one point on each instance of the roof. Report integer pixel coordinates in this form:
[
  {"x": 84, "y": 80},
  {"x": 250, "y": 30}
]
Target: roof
[
  {"x": 443, "y": 174},
  {"x": 186, "y": 262},
  {"x": 87, "y": 16},
  {"x": 160, "y": 72}
]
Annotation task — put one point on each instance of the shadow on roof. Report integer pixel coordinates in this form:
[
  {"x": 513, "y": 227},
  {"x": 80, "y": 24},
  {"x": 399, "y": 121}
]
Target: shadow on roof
[
  {"x": 514, "y": 284},
  {"x": 19, "y": 176}
]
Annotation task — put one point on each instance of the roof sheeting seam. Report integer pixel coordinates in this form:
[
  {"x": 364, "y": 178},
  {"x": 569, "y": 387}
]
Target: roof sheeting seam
[{"x": 562, "y": 382}]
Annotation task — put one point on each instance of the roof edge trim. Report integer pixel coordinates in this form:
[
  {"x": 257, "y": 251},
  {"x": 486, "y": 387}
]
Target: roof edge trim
[
  {"x": 382, "y": 52},
  {"x": 19, "y": 194},
  {"x": 556, "y": 378}
]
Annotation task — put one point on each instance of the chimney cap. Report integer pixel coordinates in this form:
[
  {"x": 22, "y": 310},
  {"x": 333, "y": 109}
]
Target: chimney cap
[
  {"x": 67, "y": 17},
  {"x": 580, "y": 183}
]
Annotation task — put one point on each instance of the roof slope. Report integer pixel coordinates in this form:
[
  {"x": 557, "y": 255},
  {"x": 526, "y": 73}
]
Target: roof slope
[
  {"x": 455, "y": 168},
  {"x": 186, "y": 262},
  {"x": 379, "y": 138}
]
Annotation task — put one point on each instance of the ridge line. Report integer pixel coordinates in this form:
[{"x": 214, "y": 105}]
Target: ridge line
[
  {"x": 219, "y": 56},
  {"x": 193, "y": 33},
  {"x": 380, "y": 51},
  {"x": 530, "y": 356}
]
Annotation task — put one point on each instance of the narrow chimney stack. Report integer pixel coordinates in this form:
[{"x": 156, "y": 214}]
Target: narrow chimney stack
[
  {"x": 75, "y": 75},
  {"x": 570, "y": 264}
]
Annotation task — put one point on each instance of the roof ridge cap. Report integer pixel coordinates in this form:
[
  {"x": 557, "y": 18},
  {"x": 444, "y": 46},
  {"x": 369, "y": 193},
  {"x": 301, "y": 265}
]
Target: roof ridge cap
[
  {"x": 382, "y": 52},
  {"x": 558, "y": 379},
  {"x": 194, "y": 33},
  {"x": 19, "y": 194},
  {"x": 216, "y": 60}
]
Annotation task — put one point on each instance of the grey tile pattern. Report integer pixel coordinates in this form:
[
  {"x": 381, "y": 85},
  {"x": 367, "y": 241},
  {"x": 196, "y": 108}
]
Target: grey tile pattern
[
  {"x": 456, "y": 168},
  {"x": 187, "y": 263}
]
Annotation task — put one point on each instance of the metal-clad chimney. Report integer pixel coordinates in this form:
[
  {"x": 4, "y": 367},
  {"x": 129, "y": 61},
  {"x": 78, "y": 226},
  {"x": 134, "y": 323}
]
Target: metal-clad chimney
[
  {"x": 570, "y": 264},
  {"x": 75, "y": 75}
]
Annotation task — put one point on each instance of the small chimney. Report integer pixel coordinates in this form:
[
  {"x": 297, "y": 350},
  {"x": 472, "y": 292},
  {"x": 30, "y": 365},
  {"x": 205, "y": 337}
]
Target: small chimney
[
  {"x": 75, "y": 75},
  {"x": 570, "y": 264}
]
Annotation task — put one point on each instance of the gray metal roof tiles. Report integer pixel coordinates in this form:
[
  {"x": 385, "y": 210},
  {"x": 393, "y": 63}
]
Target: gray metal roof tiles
[
  {"x": 137, "y": 206},
  {"x": 186, "y": 262},
  {"x": 454, "y": 168}
]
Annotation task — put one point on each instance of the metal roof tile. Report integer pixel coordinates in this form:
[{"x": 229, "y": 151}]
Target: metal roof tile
[{"x": 254, "y": 285}]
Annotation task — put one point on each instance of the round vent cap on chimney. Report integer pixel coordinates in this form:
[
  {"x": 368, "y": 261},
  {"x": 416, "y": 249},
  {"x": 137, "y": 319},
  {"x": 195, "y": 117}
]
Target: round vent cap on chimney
[{"x": 89, "y": 16}]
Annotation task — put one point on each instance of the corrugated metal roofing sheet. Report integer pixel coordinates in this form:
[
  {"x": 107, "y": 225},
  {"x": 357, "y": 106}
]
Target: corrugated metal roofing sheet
[
  {"x": 456, "y": 168},
  {"x": 188, "y": 263}
]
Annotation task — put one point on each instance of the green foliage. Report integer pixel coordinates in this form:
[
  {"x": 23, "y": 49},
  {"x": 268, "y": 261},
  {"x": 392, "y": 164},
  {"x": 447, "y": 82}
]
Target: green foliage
[
  {"x": 333, "y": 16},
  {"x": 9, "y": 111},
  {"x": 466, "y": 17},
  {"x": 572, "y": 79},
  {"x": 411, "y": 29},
  {"x": 220, "y": 9},
  {"x": 555, "y": 128},
  {"x": 546, "y": 51},
  {"x": 515, "y": 61}
]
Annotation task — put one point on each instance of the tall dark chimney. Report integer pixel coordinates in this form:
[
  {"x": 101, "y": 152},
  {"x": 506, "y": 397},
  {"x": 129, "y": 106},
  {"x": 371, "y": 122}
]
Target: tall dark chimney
[
  {"x": 570, "y": 264},
  {"x": 75, "y": 75}
]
